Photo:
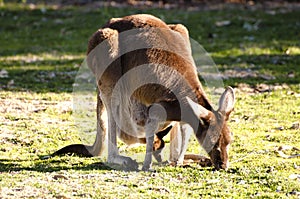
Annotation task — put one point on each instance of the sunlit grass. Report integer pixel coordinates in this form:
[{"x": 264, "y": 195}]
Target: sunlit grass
[
  {"x": 27, "y": 58},
  {"x": 253, "y": 50}
]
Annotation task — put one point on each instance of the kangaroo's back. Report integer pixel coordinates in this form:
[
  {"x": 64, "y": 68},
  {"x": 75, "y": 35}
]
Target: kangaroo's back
[{"x": 142, "y": 39}]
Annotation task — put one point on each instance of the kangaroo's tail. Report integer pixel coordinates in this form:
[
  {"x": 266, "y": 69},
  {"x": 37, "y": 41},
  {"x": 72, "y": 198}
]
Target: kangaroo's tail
[
  {"x": 77, "y": 149},
  {"x": 98, "y": 146}
]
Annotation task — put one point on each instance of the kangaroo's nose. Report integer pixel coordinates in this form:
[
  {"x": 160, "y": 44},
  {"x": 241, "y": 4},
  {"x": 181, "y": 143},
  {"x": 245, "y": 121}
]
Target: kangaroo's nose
[
  {"x": 224, "y": 165},
  {"x": 220, "y": 165}
]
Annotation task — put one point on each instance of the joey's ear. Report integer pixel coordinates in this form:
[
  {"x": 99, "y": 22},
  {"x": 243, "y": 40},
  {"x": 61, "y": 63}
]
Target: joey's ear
[
  {"x": 227, "y": 101},
  {"x": 199, "y": 110}
]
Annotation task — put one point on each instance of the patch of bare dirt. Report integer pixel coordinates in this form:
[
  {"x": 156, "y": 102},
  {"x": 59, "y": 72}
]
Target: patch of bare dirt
[
  {"x": 260, "y": 88},
  {"x": 245, "y": 73}
]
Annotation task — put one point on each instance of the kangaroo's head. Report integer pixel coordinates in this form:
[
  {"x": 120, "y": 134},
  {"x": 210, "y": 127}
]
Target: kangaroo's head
[{"x": 213, "y": 133}]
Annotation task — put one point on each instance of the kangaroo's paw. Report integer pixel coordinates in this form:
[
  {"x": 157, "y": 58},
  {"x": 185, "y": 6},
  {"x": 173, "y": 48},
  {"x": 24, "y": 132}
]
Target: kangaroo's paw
[
  {"x": 147, "y": 163},
  {"x": 126, "y": 162},
  {"x": 148, "y": 168}
]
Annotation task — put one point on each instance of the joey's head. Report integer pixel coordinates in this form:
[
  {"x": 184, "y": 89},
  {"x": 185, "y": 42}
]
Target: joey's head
[{"x": 213, "y": 132}]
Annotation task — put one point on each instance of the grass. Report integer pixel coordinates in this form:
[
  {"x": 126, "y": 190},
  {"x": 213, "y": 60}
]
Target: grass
[{"x": 42, "y": 49}]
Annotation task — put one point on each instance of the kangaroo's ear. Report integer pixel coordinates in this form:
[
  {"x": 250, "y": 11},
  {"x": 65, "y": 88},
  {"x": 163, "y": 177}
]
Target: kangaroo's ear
[
  {"x": 227, "y": 100},
  {"x": 103, "y": 49},
  {"x": 199, "y": 110}
]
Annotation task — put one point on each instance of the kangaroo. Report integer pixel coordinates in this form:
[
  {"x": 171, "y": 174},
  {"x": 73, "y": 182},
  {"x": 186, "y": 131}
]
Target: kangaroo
[{"x": 147, "y": 79}]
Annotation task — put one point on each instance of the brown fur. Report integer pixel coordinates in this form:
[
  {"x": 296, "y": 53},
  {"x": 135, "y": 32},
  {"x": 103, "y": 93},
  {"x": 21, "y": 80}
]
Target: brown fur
[
  {"x": 211, "y": 122},
  {"x": 168, "y": 46}
]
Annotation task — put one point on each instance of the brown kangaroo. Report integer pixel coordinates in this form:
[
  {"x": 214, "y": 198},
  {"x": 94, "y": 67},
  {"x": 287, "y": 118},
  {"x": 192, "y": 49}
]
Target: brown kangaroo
[{"x": 147, "y": 78}]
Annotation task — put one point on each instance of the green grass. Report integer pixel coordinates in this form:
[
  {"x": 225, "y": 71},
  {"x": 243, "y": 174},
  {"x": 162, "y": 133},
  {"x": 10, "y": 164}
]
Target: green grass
[{"x": 42, "y": 48}]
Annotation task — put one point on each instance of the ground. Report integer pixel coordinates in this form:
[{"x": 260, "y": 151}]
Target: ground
[{"x": 256, "y": 50}]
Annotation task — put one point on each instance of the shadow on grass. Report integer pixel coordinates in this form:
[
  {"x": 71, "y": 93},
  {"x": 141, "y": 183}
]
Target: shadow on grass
[
  {"x": 41, "y": 76},
  {"x": 60, "y": 79},
  {"x": 53, "y": 165},
  {"x": 63, "y": 163},
  {"x": 50, "y": 165}
]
